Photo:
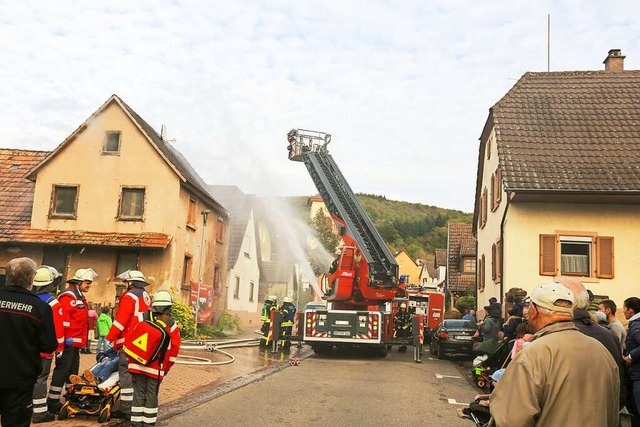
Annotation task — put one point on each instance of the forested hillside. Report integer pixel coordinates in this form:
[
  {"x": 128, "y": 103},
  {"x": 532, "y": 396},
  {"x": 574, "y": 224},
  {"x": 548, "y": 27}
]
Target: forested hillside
[{"x": 414, "y": 227}]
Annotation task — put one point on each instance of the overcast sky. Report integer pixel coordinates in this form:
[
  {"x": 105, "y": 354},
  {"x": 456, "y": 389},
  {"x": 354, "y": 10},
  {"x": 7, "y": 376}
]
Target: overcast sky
[{"x": 404, "y": 87}]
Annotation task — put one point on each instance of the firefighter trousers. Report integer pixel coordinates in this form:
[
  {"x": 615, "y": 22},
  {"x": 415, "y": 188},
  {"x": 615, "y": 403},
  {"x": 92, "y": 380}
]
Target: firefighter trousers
[
  {"x": 144, "y": 411},
  {"x": 40, "y": 391},
  {"x": 264, "y": 341},
  {"x": 67, "y": 364},
  {"x": 15, "y": 406},
  {"x": 286, "y": 331},
  {"x": 126, "y": 385}
]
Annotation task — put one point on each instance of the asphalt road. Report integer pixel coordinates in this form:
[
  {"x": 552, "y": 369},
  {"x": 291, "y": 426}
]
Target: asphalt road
[{"x": 343, "y": 389}]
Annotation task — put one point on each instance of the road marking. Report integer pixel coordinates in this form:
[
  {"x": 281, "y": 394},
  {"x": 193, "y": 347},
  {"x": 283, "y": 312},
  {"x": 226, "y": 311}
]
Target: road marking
[
  {"x": 440, "y": 376},
  {"x": 455, "y": 402}
]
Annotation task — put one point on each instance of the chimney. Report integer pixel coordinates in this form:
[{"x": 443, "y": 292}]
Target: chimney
[{"x": 614, "y": 61}]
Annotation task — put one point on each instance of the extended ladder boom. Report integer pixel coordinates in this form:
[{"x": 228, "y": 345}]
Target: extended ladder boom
[{"x": 310, "y": 148}]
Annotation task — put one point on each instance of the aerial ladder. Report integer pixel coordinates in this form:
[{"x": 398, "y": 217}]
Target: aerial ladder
[{"x": 363, "y": 281}]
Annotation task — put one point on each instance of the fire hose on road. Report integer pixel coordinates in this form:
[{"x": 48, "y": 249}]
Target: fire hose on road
[{"x": 214, "y": 346}]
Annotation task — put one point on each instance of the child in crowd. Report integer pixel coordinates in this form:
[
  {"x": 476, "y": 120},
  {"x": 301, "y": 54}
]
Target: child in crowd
[{"x": 104, "y": 324}]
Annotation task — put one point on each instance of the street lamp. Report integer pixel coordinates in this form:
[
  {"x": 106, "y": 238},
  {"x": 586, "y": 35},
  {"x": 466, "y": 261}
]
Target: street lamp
[{"x": 205, "y": 214}]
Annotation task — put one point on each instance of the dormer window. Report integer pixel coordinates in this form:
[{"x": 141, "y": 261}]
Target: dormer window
[
  {"x": 111, "y": 143},
  {"x": 468, "y": 265}
]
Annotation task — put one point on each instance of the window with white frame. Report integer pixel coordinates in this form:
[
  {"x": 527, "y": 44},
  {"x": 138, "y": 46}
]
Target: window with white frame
[{"x": 575, "y": 256}]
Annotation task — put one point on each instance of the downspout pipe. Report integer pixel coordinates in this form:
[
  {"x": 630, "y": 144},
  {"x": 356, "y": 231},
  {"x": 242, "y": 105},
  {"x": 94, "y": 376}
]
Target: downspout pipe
[{"x": 504, "y": 218}]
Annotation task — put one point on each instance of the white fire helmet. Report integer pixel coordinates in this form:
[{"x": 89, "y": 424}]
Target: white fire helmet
[
  {"x": 134, "y": 276},
  {"x": 45, "y": 275},
  {"x": 287, "y": 299},
  {"x": 272, "y": 298},
  {"x": 403, "y": 305},
  {"x": 84, "y": 275}
]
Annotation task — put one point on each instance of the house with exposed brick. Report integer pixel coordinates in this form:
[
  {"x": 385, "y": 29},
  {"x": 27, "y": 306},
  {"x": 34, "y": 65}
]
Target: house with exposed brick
[
  {"x": 243, "y": 277},
  {"x": 113, "y": 196},
  {"x": 558, "y": 183},
  {"x": 461, "y": 261}
]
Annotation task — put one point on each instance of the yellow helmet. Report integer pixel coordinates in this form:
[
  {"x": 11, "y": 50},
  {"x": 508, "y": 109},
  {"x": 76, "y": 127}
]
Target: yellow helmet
[
  {"x": 45, "y": 275},
  {"x": 161, "y": 300}
]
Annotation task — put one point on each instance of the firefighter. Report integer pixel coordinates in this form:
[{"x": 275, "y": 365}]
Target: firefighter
[
  {"x": 147, "y": 378},
  {"x": 133, "y": 302},
  {"x": 45, "y": 283},
  {"x": 402, "y": 325},
  {"x": 270, "y": 304},
  {"x": 288, "y": 311},
  {"x": 75, "y": 321}
]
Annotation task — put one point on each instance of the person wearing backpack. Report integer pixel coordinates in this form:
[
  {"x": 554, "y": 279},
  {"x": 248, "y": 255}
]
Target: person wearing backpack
[
  {"x": 133, "y": 302},
  {"x": 152, "y": 348}
]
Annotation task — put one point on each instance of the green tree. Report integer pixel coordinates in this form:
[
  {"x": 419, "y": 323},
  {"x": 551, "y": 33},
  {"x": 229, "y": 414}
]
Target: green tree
[{"x": 325, "y": 231}]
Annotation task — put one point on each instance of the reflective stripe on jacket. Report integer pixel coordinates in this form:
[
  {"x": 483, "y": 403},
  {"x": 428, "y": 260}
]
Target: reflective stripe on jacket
[
  {"x": 75, "y": 316},
  {"x": 133, "y": 303}
]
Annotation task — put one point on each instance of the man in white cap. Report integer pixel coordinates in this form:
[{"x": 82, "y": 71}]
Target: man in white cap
[
  {"x": 75, "y": 316},
  {"x": 547, "y": 379},
  {"x": 133, "y": 303}
]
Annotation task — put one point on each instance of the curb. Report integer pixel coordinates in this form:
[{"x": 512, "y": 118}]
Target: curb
[{"x": 205, "y": 394}]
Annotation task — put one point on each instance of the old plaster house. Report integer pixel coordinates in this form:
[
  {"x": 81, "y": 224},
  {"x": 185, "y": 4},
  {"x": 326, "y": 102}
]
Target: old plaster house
[
  {"x": 558, "y": 183},
  {"x": 113, "y": 196}
]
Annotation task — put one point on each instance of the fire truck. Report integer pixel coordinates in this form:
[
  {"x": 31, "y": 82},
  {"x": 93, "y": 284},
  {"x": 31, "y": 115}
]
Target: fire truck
[{"x": 362, "y": 288}]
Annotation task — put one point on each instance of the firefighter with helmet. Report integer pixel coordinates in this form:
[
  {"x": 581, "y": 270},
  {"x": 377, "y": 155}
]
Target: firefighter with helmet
[
  {"x": 45, "y": 283},
  {"x": 75, "y": 316},
  {"x": 402, "y": 325},
  {"x": 147, "y": 377},
  {"x": 133, "y": 302},
  {"x": 288, "y": 311},
  {"x": 270, "y": 304}
]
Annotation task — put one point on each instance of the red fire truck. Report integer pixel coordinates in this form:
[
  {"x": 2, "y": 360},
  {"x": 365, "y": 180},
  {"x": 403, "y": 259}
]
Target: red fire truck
[{"x": 362, "y": 288}]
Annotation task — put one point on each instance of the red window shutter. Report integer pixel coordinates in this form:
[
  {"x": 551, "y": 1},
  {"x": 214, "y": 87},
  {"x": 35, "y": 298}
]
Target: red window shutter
[
  {"x": 483, "y": 271},
  {"x": 548, "y": 255},
  {"x": 493, "y": 191},
  {"x": 498, "y": 261},
  {"x": 493, "y": 261},
  {"x": 604, "y": 257},
  {"x": 498, "y": 185}
]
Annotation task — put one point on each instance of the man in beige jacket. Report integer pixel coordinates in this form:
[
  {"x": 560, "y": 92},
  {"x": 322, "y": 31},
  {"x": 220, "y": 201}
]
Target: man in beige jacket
[{"x": 552, "y": 381}]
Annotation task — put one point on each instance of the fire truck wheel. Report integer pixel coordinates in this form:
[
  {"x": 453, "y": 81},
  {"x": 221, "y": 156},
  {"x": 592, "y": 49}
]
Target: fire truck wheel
[{"x": 382, "y": 351}]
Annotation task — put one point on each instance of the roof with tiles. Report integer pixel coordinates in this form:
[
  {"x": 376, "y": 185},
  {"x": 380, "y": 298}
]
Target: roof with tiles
[
  {"x": 575, "y": 131},
  {"x": 240, "y": 207},
  {"x": 16, "y": 192},
  {"x": 81, "y": 237},
  {"x": 441, "y": 258},
  {"x": 461, "y": 244}
]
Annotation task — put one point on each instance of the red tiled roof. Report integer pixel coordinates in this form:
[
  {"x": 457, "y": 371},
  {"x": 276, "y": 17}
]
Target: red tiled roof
[
  {"x": 81, "y": 237},
  {"x": 570, "y": 131},
  {"x": 441, "y": 258},
  {"x": 16, "y": 192},
  {"x": 461, "y": 243}
]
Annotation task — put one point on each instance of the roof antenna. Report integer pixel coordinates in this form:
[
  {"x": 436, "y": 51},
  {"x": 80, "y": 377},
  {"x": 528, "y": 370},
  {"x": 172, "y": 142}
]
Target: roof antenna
[{"x": 163, "y": 134}]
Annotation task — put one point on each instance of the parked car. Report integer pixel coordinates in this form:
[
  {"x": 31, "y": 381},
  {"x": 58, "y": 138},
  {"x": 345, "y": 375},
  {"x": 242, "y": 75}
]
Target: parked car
[{"x": 453, "y": 336}]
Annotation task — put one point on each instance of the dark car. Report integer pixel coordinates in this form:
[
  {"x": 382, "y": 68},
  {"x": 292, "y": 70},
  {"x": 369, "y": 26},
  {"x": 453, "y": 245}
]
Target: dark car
[{"x": 453, "y": 336}]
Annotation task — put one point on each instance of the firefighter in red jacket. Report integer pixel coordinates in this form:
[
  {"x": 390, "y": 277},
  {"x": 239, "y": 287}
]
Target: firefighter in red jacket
[
  {"x": 75, "y": 315},
  {"x": 45, "y": 283},
  {"x": 133, "y": 302},
  {"x": 147, "y": 378}
]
